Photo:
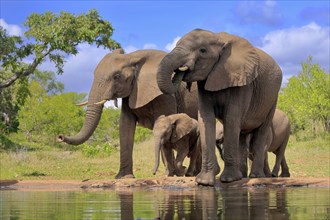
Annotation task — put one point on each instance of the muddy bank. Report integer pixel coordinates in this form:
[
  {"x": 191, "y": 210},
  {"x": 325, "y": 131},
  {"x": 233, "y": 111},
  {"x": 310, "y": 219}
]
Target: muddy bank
[{"x": 163, "y": 182}]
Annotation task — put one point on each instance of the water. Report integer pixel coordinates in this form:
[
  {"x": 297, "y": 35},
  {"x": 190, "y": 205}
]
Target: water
[{"x": 199, "y": 203}]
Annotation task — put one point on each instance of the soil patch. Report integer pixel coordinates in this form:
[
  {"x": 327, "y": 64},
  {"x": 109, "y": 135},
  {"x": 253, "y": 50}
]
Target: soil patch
[{"x": 163, "y": 182}]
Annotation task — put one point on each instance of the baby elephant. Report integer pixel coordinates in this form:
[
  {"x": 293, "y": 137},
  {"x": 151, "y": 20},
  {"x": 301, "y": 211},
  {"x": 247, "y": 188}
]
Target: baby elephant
[
  {"x": 277, "y": 139},
  {"x": 179, "y": 132}
]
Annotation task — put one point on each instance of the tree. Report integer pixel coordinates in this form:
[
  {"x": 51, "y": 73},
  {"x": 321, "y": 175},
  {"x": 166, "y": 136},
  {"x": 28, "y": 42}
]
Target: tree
[
  {"x": 11, "y": 99},
  {"x": 48, "y": 81},
  {"x": 51, "y": 36},
  {"x": 306, "y": 98},
  {"x": 44, "y": 116}
]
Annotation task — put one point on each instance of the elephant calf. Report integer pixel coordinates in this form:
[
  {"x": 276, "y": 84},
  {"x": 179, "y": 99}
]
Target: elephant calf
[
  {"x": 277, "y": 139},
  {"x": 180, "y": 132}
]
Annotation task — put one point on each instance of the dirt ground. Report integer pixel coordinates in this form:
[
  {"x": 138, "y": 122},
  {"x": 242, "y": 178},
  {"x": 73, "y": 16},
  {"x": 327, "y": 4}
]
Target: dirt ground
[{"x": 163, "y": 182}]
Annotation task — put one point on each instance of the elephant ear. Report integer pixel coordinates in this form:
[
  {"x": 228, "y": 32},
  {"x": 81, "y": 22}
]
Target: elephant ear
[
  {"x": 237, "y": 65},
  {"x": 145, "y": 88},
  {"x": 182, "y": 126}
]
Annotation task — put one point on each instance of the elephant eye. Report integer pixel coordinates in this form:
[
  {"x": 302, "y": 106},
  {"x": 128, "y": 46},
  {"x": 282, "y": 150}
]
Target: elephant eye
[
  {"x": 117, "y": 76},
  {"x": 202, "y": 50}
]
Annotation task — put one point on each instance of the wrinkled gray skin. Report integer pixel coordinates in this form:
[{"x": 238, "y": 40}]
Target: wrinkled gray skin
[
  {"x": 182, "y": 133},
  {"x": 238, "y": 84},
  {"x": 131, "y": 77},
  {"x": 277, "y": 140}
]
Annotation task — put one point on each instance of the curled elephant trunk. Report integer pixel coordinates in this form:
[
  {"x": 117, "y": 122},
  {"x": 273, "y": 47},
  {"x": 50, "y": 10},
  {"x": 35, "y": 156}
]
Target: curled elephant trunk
[
  {"x": 93, "y": 115},
  {"x": 169, "y": 64}
]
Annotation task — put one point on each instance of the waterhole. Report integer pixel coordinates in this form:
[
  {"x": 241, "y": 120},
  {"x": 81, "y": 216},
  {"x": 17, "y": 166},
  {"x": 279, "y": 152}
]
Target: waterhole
[{"x": 196, "y": 203}]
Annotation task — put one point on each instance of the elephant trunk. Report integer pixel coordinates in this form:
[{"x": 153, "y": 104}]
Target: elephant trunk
[
  {"x": 93, "y": 115},
  {"x": 167, "y": 66},
  {"x": 157, "y": 153}
]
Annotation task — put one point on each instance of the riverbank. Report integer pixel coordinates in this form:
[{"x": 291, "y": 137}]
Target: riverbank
[{"x": 160, "y": 182}]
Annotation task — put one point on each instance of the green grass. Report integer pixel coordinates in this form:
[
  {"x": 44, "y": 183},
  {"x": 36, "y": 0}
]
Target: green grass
[{"x": 310, "y": 158}]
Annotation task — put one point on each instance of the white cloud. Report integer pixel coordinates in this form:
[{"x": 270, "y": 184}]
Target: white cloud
[
  {"x": 256, "y": 12},
  {"x": 171, "y": 45},
  {"x": 131, "y": 48},
  {"x": 290, "y": 47},
  {"x": 79, "y": 69},
  {"x": 12, "y": 29}
]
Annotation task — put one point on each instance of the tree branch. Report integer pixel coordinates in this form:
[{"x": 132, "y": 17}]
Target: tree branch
[{"x": 32, "y": 67}]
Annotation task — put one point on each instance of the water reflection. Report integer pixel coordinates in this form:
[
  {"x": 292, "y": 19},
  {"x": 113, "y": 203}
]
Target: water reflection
[{"x": 199, "y": 203}]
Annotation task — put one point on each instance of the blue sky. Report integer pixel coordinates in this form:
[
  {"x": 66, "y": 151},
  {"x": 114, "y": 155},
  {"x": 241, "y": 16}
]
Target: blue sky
[{"x": 290, "y": 31}]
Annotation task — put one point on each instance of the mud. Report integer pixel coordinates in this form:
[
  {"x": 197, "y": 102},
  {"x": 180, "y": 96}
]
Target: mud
[{"x": 163, "y": 182}]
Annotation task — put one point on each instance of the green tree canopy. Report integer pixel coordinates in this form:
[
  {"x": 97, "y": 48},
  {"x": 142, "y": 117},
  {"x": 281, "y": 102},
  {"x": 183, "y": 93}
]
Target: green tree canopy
[
  {"x": 51, "y": 36},
  {"x": 45, "y": 116},
  {"x": 306, "y": 98},
  {"x": 13, "y": 98}
]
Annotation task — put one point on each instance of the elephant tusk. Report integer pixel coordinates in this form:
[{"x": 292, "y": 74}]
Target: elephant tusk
[
  {"x": 115, "y": 102},
  {"x": 183, "y": 68},
  {"x": 101, "y": 102},
  {"x": 82, "y": 103}
]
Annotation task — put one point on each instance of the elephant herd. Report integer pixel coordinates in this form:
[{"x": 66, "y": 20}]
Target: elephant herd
[{"x": 212, "y": 89}]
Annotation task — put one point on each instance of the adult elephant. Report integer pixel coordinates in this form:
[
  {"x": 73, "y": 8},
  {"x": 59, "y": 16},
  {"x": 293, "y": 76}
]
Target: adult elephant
[
  {"x": 238, "y": 84},
  {"x": 131, "y": 77}
]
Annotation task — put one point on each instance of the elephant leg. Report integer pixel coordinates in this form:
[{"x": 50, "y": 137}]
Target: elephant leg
[
  {"x": 179, "y": 168},
  {"x": 206, "y": 122},
  {"x": 259, "y": 147},
  {"x": 169, "y": 159},
  {"x": 260, "y": 143},
  {"x": 243, "y": 153},
  {"x": 277, "y": 165},
  {"x": 182, "y": 153},
  {"x": 280, "y": 154},
  {"x": 266, "y": 166},
  {"x": 285, "y": 169},
  {"x": 232, "y": 169},
  {"x": 127, "y": 125},
  {"x": 195, "y": 155}
]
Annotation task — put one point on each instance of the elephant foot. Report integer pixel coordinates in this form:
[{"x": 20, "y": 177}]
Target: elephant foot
[
  {"x": 272, "y": 175},
  {"x": 180, "y": 171},
  {"x": 128, "y": 176},
  {"x": 285, "y": 174},
  {"x": 169, "y": 173},
  {"x": 205, "y": 178},
  {"x": 257, "y": 174},
  {"x": 230, "y": 174},
  {"x": 190, "y": 172},
  {"x": 123, "y": 175},
  {"x": 268, "y": 174}
]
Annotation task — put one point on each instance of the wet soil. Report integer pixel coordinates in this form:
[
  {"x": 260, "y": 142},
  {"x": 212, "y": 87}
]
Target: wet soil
[{"x": 162, "y": 182}]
